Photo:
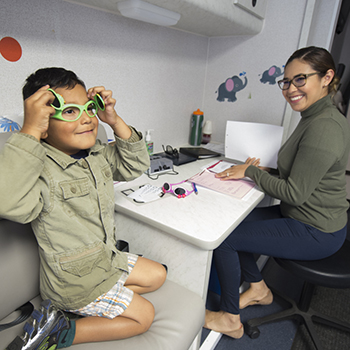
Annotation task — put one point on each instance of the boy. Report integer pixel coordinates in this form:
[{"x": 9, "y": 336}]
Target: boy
[{"x": 55, "y": 175}]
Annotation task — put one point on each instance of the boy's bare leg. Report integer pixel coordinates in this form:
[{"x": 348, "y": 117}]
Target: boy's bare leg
[
  {"x": 136, "y": 319},
  {"x": 146, "y": 276}
]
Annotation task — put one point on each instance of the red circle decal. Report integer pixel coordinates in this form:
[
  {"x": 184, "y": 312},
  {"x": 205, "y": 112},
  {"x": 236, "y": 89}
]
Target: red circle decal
[{"x": 10, "y": 49}]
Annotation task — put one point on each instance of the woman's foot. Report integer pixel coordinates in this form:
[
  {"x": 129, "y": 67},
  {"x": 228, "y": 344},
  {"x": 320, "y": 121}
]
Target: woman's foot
[
  {"x": 225, "y": 323},
  {"x": 253, "y": 296}
]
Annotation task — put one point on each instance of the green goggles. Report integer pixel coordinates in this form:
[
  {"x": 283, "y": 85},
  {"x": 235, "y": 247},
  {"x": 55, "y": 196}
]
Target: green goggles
[{"x": 72, "y": 112}]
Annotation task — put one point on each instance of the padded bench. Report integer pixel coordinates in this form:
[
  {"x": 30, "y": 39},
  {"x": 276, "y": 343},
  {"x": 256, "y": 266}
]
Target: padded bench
[{"x": 179, "y": 313}]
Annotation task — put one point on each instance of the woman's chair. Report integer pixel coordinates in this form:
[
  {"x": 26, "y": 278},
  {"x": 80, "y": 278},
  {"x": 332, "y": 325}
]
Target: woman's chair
[{"x": 331, "y": 272}]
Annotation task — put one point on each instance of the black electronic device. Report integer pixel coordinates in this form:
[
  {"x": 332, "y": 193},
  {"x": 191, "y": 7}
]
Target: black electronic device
[
  {"x": 199, "y": 152},
  {"x": 178, "y": 158}
]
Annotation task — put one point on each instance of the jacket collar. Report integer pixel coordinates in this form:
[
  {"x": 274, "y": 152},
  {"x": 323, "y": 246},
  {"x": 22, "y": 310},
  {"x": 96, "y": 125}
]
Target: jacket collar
[{"x": 64, "y": 160}]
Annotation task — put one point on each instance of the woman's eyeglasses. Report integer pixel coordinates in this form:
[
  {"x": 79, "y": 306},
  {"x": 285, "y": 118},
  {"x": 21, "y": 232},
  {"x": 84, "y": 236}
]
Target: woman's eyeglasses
[
  {"x": 72, "y": 112},
  {"x": 298, "y": 81},
  {"x": 179, "y": 192}
]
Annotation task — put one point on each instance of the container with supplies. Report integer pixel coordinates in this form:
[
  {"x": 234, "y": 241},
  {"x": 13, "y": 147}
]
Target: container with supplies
[
  {"x": 207, "y": 131},
  {"x": 149, "y": 142}
]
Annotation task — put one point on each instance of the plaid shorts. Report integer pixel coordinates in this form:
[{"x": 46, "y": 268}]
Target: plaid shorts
[{"x": 115, "y": 301}]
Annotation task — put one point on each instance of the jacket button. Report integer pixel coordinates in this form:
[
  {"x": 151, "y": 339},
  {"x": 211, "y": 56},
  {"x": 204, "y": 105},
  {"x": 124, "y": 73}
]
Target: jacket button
[{"x": 73, "y": 190}]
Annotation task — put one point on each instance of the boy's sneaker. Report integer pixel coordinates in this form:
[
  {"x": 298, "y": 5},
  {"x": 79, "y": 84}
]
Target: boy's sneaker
[{"x": 42, "y": 330}]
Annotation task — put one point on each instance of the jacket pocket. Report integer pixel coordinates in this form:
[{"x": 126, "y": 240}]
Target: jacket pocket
[
  {"x": 106, "y": 172},
  {"x": 84, "y": 262},
  {"x": 77, "y": 197}
]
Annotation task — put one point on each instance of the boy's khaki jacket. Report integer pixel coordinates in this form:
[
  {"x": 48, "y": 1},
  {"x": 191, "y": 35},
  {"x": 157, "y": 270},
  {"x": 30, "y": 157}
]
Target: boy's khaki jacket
[{"x": 70, "y": 204}]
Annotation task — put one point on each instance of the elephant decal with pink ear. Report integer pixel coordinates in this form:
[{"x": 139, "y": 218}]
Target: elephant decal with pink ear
[
  {"x": 270, "y": 75},
  {"x": 228, "y": 89}
]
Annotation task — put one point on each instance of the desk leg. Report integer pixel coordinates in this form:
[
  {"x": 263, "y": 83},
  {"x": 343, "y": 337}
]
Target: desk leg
[{"x": 188, "y": 265}]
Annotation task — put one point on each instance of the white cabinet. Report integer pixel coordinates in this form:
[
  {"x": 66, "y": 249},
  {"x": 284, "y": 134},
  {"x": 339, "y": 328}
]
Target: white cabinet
[{"x": 205, "y": 17}]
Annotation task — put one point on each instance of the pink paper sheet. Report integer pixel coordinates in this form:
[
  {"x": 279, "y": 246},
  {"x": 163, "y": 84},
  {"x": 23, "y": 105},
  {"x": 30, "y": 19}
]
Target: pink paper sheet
[{"x": 235, "y": 188}]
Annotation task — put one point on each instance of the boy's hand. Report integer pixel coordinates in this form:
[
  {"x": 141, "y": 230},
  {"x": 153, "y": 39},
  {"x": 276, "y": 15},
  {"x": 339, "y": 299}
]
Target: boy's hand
[
  {"x": 109, "y": 115},
  {"x": 37, "y": 112}
]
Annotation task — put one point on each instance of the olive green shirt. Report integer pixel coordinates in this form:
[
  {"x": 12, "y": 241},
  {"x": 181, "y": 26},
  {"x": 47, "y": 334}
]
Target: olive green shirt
[
  {"x": 312, "y": 165},
  {"x": 70, "y": 204}
]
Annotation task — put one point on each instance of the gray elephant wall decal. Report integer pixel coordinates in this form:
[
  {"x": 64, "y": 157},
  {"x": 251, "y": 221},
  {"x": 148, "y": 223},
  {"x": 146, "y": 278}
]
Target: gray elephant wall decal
[
  {"x": 230, "y": 87},
  {"x": 270, "y": 75}
]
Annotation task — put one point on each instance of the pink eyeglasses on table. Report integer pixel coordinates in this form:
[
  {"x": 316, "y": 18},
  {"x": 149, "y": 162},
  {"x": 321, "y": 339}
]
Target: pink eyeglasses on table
[{"x": 179, "y": 192}]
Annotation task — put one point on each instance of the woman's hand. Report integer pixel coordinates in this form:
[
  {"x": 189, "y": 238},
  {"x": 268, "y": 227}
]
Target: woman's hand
[{"x": 237, "y": 171}]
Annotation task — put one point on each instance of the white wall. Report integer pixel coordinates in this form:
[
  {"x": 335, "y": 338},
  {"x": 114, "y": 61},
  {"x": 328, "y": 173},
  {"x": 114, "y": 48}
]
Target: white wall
[
  {"x": 158, "y": 75},
  {"x": 341, "y": 52},
  {"x": 258, "y": 102},
  {"x": 324, "y": 14},
  {"x": 280, "y": 37},
  {"x": 324, "y": 23}
]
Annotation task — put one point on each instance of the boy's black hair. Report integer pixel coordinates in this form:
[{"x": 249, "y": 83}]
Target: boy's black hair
[{"x": 54, "y": 76}]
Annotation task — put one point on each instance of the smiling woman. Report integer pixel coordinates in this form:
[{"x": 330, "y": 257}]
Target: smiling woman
[
  {"x": 310, "y": 222},
  {"x": 309, "y": 76}
]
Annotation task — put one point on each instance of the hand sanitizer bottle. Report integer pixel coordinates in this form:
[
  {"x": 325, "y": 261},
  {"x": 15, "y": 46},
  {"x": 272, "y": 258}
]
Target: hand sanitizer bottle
[{"x": 149, "y": 143}]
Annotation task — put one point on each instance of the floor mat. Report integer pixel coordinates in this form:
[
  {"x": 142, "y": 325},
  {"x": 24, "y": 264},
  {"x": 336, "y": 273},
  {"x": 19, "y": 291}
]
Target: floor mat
[{"x": 334, "y": 303}]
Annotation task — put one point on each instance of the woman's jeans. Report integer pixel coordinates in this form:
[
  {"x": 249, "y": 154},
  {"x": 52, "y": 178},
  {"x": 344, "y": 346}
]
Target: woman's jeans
[{"x": 266, "y": 232}]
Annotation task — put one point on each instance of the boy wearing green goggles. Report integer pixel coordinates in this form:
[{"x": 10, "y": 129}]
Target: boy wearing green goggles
[{"x": 63, "y": 180}]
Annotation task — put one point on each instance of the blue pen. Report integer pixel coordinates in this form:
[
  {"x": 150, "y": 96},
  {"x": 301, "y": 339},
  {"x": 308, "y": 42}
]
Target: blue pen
[{"x": 195, "y": 188}]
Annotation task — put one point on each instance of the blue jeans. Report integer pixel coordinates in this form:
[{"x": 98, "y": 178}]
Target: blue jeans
[{"x": 265, "y": 231}]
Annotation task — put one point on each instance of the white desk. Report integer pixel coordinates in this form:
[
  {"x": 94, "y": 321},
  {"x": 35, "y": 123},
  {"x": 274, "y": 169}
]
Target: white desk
[{"x": 181, "y": 233}]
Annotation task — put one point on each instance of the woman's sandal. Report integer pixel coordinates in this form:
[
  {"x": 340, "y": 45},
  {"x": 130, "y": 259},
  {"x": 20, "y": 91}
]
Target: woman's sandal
[{"x": 267, "y": 300}]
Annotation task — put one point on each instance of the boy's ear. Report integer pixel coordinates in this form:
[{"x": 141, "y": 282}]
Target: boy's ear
[{"x": 44, "y": 135}]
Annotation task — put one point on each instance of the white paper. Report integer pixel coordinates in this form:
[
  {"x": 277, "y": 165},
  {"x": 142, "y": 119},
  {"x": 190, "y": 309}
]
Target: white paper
[
  {"x": 146, "y": 193},
  {"x": 216, "y": 147},
  {"x": 220, "y": 166},
  {"x": 257, "y": 140}
]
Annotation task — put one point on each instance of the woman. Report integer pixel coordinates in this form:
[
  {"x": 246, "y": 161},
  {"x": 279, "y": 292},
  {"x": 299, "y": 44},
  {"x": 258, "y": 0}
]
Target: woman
[{"x": 310, "y": 222}]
